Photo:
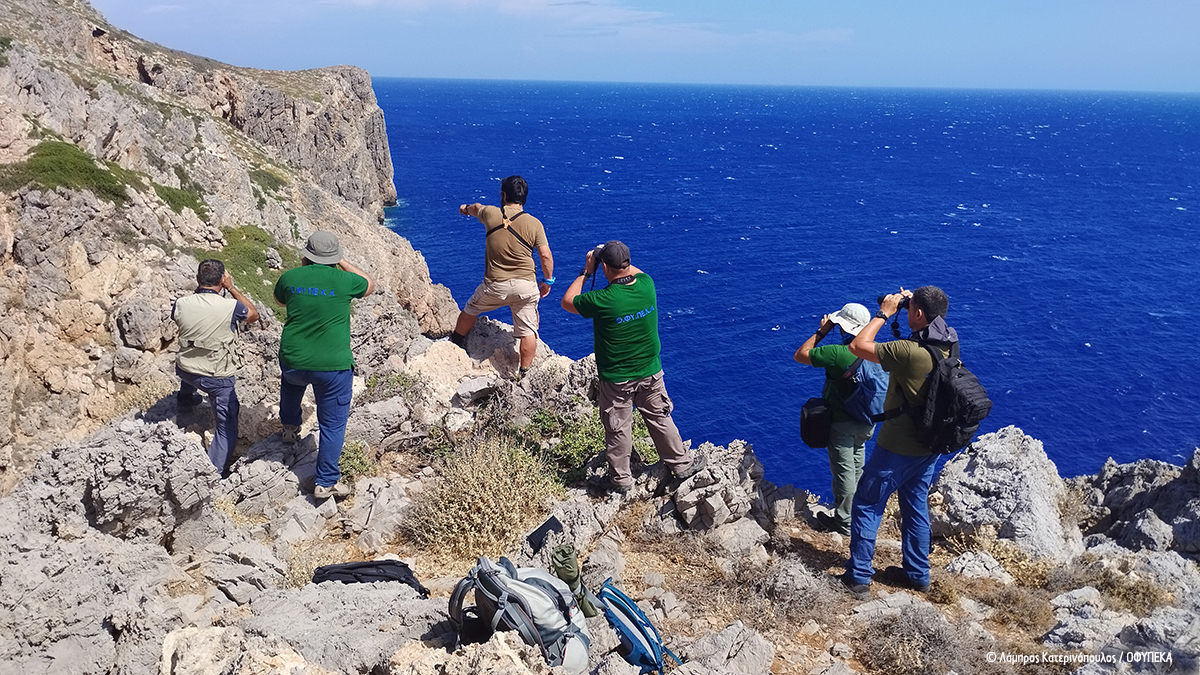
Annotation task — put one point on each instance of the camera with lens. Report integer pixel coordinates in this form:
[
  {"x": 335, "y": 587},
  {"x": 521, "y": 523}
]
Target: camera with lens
[{"x": 903, "y": 301}]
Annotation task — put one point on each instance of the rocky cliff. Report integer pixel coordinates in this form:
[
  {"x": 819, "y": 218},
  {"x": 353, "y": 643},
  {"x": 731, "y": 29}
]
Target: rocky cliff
[{"x": 121, "y": 164}]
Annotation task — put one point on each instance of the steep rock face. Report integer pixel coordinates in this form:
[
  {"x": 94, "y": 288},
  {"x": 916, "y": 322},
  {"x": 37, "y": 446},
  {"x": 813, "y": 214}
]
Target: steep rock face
[{"x": 179, "y": 149}]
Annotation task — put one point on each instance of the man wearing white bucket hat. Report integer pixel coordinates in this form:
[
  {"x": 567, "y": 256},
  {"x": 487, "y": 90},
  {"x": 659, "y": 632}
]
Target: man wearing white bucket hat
[{"x": 847, "y": 435}]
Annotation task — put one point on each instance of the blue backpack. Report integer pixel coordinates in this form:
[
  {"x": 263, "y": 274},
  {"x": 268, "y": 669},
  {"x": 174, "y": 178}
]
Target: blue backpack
[
  {"x": 870, "y": 388},
  {"x": 641, "y": 644}
]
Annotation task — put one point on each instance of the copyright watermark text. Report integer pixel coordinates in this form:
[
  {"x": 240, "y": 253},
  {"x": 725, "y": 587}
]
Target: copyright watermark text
[{"x": 1080, "y": 659}]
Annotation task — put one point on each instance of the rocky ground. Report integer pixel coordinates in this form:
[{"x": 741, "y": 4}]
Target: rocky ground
[{"x": 122, "y": 163}]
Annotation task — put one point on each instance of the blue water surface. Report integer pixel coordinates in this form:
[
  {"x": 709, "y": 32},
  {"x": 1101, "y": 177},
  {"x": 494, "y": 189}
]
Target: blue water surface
[{"x": 1063, "y": 226}]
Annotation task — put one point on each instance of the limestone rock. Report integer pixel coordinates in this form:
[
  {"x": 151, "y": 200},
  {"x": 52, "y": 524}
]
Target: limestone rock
[
  {"x": 203, "y": 651},
  {"x": 1006, "y": 481},
  {"x": 503, "y": 654},
  {"x": 1083, "y": 622},
  {"x": 736, "y": 649},
  {"x": 979, "y": 565},
  {"x": 722, "y": 492},
  {"x": 347, "y": 627}
]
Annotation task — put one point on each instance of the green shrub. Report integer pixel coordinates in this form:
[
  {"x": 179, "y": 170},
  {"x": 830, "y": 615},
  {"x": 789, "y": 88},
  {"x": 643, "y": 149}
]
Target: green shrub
[
  {"x": 245, "y": 257},
  {"x": 357, "y": 461},
  {"x": 54, "y": 164},
  {"x": 5, "y": 44},
  {"x": 178, "y": 199},
  {"x": 491, "y": 491},
  {"x": 568, "y": 442},
  {"x": 267, "y": 180}
]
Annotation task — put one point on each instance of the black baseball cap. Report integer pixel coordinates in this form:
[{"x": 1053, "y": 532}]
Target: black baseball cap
[{"x": 615, "y": 255}]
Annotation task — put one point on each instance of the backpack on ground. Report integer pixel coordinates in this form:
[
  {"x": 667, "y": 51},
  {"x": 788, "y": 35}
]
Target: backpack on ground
[
  {"x": 870, "y": 389},
  {"x": 537, "y": 605},
  {"x": 949, "y": 416},
  {"x": 368, "y": 572},
  {"x": 641, "y": 645}
]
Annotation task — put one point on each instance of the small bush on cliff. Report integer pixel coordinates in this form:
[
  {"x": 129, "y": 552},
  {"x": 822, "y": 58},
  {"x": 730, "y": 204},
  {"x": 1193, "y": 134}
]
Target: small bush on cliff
[
  {"x": 1129, "y": 593},
  {"x": 357, "y": 461},
  {"x": 920, "y": 641},
  {"x": 5, "y": 44},
  {"x": 54, "y": 164},
  {"x": 568, "y": 442},
  {"x": 245, "y": 256},
  {"x": 491, "y": 491},
  {"x": 179, "y": 199}
]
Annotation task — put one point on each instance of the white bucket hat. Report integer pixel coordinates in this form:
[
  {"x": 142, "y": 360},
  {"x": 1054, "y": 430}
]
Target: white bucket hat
[{"x": 852, "y": 317}]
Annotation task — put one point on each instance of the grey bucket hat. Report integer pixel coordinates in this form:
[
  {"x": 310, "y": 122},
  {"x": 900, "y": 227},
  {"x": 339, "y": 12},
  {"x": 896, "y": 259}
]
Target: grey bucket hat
[
  {"x": 852, "y": 317},
  {"x": 323, "y": 248}
]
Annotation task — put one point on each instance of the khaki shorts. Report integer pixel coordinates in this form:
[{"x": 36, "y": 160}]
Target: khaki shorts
[{"x": 521, "y": 295}]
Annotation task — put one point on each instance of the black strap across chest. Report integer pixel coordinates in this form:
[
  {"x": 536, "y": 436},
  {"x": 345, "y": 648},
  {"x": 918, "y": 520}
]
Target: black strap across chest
[{"x": 506, "y": 226}]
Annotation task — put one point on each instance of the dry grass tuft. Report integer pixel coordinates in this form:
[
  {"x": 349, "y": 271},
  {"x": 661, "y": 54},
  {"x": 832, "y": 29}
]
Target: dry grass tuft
[
  {"x": 489, "y": 494},
  {"x": 306, "y": 556},
  {"x": 1020, "y": 607},
  {"x": 226, "y": 505},
  {"x": 1025, "y": 570},
  {"x": 1129, "y": 593},
  {"x": 919, "y": 641}
]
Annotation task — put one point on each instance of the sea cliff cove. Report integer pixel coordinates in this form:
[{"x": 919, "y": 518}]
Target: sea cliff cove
[{"x": 188, "y": 247}]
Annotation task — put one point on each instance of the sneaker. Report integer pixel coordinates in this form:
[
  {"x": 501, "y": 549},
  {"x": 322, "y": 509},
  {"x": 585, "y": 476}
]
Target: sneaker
[
  {"x": 896, "y": 576},
  {"x": 694, "y": 468},
  {"x": 337, "y": 491},
  {"x": 828, "y": 523},
  {"x": 290, "y": 434},
  {"x": 859, "y": 591},
  {"x": 607, "y": 484}
]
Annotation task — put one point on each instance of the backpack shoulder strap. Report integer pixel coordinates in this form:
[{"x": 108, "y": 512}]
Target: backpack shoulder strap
[
  {"x": 461, "y": 589},
  {"x": 853, "y": 368}
]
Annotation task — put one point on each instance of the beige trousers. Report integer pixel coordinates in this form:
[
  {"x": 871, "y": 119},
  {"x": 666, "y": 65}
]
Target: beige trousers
[{"x": 649, "y": 396}]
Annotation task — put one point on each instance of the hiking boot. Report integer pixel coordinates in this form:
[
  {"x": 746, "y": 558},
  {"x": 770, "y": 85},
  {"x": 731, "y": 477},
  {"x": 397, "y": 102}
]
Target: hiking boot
[
  {"x": 859, "y": 591},
  {"x": 896, "y": 576},
  {"x": 829, "y": 523},
  {"x": 692, "y": 469},
  {"x": 290, "y": 434},
  {"x": 607, "y": 484},
  {"x": 338, "y": 491}
]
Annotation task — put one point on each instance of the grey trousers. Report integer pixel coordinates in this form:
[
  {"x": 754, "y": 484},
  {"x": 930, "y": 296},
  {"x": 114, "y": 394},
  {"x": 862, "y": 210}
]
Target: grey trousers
[
  {"x": 649, "y": 396},
  {"x": 847, "y": 448}
]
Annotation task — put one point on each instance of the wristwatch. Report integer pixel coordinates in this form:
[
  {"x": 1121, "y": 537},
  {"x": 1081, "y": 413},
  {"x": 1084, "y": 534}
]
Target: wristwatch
[
  {"x": 583, "y": 272},
  {"x": 880, "y": 315}
]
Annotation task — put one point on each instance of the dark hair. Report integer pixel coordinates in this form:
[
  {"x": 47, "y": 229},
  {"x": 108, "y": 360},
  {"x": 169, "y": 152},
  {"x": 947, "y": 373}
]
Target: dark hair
[
  {"x": 515, "y": 190},
  {"x": 210, "y": 273},
  {"x": 932, "y": 301}
]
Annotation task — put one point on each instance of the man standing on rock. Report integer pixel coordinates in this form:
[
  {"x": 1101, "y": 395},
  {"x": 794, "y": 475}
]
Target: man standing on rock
[
  {"x": 847, "y": 435},
  {"x": 208, "y": 357},
  {"x": 900, "y": 463},
  {"x": 315, "y": 350},
  {"x": 509, "y": 277},
  {"x": 624, "y": 318}
]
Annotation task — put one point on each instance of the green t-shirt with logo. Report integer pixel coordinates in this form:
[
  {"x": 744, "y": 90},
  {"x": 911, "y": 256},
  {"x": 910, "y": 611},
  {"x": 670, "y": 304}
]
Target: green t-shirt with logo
[
  {"x": 624, "y": 329},
  {"x": 908, "y": 365},
  {"x": 316, "y": 335},
  {"x": 835, "y": 359}
]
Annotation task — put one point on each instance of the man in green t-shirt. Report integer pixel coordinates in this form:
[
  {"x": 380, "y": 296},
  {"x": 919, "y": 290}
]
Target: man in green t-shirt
[
  {"x": 847, "y": 435},
  {"x": 315, "y": 350},
  {"x": 900, "y": 463},
  {"x": 624, "y": 318}
]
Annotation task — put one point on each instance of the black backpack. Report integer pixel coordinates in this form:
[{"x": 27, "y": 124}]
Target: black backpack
[
  {"x": 955, "y": 405},
  {"x": 368, "y": 572}
]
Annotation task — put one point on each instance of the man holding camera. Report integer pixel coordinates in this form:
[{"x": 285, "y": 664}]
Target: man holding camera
[
  {"x": 509, "y": 277},
  {"x": 624, "y": 318},
  {"x": 208, "y": 357},
  {"x": 900, "y": 463},
  {"x": 315, "y": 350},
  {"x": 847, "y": 435}
]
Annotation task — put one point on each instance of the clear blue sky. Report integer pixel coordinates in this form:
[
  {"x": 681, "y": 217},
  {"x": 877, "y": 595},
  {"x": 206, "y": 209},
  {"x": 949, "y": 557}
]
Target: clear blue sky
[{"x": 1143, "y": 45}]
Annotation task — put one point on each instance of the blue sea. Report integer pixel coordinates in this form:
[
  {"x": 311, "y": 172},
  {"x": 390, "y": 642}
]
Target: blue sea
[{"x": 1063, "y": 226}]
